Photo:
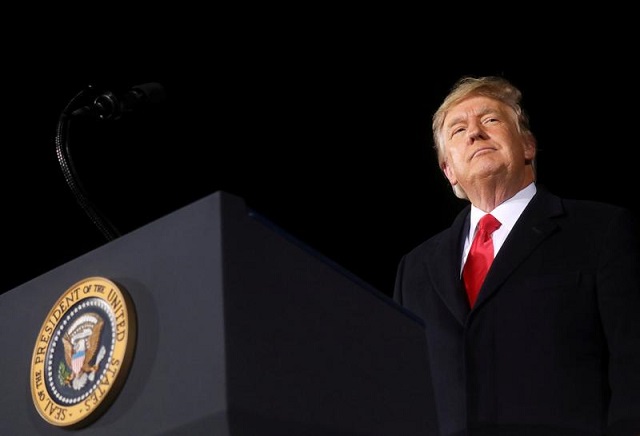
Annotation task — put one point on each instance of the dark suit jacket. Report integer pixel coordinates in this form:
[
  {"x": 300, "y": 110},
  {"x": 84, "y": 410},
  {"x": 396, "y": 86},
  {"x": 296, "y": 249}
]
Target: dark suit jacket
[{"x": 552, "y": 346}]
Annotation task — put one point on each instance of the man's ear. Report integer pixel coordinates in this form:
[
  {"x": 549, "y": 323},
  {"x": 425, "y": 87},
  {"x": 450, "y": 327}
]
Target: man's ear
[
  {"x": 448, "y": 173},
  {"x": 530, "y": 148}
]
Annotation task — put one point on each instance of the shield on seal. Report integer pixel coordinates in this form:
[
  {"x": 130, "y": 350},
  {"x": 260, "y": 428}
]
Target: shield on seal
[{"x": 77, "y": 360}]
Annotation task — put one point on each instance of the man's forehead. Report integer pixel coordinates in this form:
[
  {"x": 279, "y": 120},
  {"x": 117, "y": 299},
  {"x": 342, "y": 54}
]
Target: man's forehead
[{"x": 472, "y": 107}]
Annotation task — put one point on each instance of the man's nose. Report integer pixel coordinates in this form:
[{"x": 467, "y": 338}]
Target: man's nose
[{"x": 475, "y": 131}]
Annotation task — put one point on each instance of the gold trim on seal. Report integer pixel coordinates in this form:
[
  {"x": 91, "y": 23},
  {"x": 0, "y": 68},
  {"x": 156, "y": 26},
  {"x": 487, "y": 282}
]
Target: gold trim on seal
[{"x": 83, "y": 352}]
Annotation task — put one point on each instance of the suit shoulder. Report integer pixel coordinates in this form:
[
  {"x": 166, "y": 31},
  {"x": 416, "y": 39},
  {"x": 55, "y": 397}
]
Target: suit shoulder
[
  {"x": 594, "y": 210},
  {"x": 585, "y": 208},
  {"x": 598, "y": 217},
  {"x": 592, "y": 205}
]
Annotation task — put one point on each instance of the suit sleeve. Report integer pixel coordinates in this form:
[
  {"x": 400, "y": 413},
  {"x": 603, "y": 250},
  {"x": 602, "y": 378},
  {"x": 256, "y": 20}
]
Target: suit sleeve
[{"x": 618, "y": 284}]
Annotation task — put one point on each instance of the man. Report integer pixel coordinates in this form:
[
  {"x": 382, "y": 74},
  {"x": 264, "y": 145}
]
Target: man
[{"x": 550, "y": 343}]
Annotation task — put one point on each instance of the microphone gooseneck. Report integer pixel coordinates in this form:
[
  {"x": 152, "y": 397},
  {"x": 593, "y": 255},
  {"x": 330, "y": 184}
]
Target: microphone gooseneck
[{"x": 106, "y": 106}]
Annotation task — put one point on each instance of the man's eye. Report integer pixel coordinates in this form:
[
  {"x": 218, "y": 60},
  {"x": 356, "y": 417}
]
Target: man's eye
[{"x": 457, "y": 130}]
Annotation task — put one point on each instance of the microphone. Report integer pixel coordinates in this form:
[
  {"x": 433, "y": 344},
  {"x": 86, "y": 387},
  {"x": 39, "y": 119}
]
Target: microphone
[{"x": 112, "y": 106}]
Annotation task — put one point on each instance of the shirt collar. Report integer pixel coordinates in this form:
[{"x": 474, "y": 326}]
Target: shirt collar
[{"x": 507, "y": 212}]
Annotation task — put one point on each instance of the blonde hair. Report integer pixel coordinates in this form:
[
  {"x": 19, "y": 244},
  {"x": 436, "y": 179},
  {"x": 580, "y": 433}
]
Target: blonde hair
[{"x": 494, "y": 87}]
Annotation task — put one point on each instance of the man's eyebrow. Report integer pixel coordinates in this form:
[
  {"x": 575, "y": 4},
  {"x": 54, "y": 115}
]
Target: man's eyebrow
[{"x": 484, "y": 110}]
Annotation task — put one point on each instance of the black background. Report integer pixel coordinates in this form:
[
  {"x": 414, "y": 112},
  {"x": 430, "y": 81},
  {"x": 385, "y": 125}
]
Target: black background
[{"x": 321, "y": 125}]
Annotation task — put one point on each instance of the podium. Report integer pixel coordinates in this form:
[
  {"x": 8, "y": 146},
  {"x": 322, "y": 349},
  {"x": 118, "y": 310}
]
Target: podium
[{"x": 241, "y": 330}]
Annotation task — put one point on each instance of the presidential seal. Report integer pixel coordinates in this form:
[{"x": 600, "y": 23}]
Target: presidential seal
[{"x": 83, "y": 352}]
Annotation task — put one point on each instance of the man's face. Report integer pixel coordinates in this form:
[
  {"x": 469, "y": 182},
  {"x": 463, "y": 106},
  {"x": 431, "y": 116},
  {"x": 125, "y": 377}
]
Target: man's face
[{"x": 482, "y": 142}]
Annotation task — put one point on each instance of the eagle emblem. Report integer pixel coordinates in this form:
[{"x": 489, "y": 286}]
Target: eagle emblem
[{"x": 82, "y": 351}]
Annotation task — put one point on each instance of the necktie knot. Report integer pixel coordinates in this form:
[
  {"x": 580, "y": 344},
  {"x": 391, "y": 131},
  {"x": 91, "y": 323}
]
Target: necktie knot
[{"x": 489, "y": 224}]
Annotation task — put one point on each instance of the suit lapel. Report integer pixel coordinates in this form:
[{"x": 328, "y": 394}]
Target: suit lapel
[
  {"x": 445, "y": 271},
  {"x": 533, "y": 227}
]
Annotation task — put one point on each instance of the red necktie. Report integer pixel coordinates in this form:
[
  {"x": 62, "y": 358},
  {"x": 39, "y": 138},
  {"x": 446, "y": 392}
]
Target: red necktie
[{"x": 480, "y": 257}]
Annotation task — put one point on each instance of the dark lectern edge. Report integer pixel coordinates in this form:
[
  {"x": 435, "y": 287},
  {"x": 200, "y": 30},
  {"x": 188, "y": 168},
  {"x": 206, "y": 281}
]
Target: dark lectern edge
[{"x": 337, "y": 267}]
